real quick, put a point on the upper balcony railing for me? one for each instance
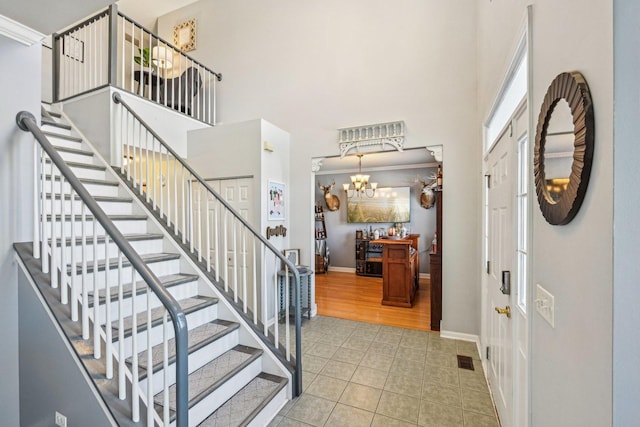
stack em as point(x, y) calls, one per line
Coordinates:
point(110, 49)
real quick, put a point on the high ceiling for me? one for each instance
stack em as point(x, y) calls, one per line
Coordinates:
point(47, 17)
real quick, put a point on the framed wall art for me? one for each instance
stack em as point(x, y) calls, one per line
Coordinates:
point(276, 200)
point(184, 35)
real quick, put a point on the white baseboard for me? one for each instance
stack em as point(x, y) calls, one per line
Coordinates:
point(342, 269)
point(464, 337)
point(353, 270)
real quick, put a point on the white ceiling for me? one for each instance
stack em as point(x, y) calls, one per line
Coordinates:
point(418, 157)
point(47, 17)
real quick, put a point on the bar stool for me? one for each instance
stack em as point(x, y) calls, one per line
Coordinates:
point(305, 279)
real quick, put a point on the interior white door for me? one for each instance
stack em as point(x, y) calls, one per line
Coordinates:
point(500, 256)
point(236, 248)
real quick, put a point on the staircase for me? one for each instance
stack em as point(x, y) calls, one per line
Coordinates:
point(234, 377)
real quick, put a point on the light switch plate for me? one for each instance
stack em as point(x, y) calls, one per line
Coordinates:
point(545, 304)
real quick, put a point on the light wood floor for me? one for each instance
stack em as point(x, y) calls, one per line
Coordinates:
point(349, 296)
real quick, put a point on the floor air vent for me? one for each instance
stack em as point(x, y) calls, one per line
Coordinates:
point(465, 362)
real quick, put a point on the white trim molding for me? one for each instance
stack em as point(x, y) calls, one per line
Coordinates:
point(342, 269)
point(379, 134)
point(19, 32)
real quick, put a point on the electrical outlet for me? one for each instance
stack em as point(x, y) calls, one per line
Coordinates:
point(61, 420)
point(545, 304)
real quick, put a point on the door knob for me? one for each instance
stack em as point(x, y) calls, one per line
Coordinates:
point(506, 310)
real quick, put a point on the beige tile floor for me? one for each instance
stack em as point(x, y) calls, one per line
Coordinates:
point(361, 374)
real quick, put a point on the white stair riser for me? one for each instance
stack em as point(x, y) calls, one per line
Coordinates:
point(194, 319)
point(55, 129)
point(93, 189)
point(110, 207)
point(89, 173)
point(179, 292)
point(218, 397)
point(270, 410)
point(77, 157)
point(197, 359)
point(126, 226)
point(142, 247)
point(162, 268)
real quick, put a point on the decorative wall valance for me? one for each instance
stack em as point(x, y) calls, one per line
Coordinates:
point(377, 137)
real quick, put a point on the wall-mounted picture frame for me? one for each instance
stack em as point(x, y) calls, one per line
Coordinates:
point(184, 35)
point(293, 255)
point(276, 200)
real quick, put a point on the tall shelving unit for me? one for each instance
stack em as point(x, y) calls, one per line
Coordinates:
point(322, 250)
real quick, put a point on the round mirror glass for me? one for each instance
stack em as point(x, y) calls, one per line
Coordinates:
point(558, 151)
point(563, 150)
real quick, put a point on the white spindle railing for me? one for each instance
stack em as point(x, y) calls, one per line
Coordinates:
point(83, 281)
point(215, 232)
point(112, 49)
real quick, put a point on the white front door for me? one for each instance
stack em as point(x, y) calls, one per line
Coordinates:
point(500, 256)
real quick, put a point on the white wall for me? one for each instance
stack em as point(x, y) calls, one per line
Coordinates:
point(314, 67)
point(626, 205)
point(571, 363)
point(20, 86)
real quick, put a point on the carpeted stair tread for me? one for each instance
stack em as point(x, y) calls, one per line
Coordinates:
point(188, 305)
point(246, 403)
point(82, 165)
point(113, 262)
point(78, 217)
point(74, 151)
point(60, 136)
point(47, 122)
point(141, 287)
point(89, 181)
point(135, 237)
point(198, 338)
point(96, 198)
point(208, 378)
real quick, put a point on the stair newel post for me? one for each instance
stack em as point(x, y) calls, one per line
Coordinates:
point(298, 309)
point(112, 53)
point(36, 200)
point(199, 213)
point(55, 67)
point(264, 289)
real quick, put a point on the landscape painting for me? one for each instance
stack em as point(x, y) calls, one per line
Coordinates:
point(389, 205)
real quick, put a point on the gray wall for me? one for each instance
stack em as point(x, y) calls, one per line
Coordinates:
point(341, 235)
point(20, 87)
point(626, 205)
point(571, 363)
point(50, 380)
point(312, 68)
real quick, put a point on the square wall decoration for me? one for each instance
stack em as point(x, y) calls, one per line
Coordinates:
point(184, 35)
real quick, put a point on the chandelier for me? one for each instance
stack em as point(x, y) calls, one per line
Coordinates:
point(360, 183)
